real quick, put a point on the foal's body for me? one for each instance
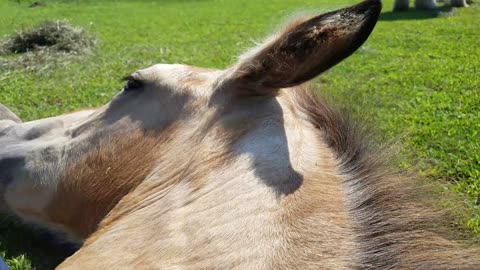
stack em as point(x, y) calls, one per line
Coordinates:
point(189, 168)
point(259, 196)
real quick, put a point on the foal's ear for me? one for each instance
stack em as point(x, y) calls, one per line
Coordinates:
point(305, 49)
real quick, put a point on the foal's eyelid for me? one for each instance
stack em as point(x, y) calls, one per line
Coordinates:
point(127, 78)
point(132, 83)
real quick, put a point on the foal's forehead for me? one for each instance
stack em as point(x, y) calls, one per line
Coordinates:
point(177, 75)
point(163, 72)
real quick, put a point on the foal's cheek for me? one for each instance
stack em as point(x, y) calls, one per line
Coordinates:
point(28, 201)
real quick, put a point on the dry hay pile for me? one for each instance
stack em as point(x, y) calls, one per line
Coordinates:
point(44, 44)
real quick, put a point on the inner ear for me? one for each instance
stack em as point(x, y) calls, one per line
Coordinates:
point(306, 48)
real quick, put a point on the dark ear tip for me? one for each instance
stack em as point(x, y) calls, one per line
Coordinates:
point(374, 2)
point(308, 48)
point(367, 6)
point(371, 10)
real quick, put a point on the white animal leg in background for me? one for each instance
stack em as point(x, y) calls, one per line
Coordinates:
point(400, 5)
point(425, 4)
point(459, 3)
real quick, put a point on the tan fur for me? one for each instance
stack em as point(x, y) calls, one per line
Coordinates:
point(317, 203)
point(349, 230)
point(190, 196)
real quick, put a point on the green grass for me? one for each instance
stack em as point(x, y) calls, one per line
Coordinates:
point(416, 78)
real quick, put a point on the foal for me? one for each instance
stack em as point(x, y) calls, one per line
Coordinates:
point(244, 168)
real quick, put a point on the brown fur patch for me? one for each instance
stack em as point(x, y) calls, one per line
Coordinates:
point(100, 179)
point(186, 158)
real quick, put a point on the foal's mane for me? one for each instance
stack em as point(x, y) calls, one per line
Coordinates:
point(394, 218)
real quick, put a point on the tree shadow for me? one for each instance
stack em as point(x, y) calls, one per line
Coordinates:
point(414, 14)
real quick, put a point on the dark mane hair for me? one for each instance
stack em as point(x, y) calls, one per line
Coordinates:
point(394, 218)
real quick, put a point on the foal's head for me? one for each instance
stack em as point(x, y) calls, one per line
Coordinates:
point(68, 172)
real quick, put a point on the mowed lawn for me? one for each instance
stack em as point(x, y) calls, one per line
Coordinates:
point(416, 80)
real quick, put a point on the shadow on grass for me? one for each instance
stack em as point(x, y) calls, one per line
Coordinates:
point(413, 14)
point(41, 248)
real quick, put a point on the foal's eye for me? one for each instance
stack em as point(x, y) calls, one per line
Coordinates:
point(132, 84)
